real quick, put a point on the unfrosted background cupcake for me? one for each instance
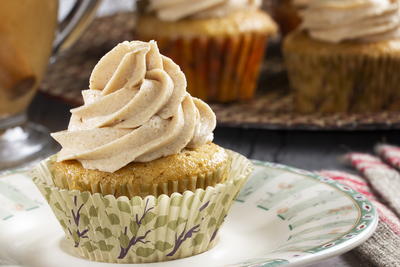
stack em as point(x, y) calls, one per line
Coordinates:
point(219, 43)
point(138, 178)
point(345, 57)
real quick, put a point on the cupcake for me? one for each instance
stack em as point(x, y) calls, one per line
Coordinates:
point(219, 44)
point(138, 178)
point(345, 56)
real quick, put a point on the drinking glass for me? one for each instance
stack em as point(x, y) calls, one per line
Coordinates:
point(29, 35)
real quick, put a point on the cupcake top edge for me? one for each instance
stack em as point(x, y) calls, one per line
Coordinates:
point(174, 10)
point(252, 21)
point(136, 110)
point(351, 20)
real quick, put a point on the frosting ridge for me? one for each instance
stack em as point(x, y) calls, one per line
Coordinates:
point(360, 20)
point(136, 110)
point(173, 10)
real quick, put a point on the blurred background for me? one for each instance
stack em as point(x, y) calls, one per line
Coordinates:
point(263, 110)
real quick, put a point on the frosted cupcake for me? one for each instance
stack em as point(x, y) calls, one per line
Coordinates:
point(138, 178)
point(344, 57)
point(219, 43)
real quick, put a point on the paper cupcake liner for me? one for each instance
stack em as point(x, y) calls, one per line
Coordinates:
point(140, 230)
point(221, 69)
point(331, 81)
point(130, 189)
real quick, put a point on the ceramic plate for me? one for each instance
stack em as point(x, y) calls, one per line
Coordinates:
point(283, 216)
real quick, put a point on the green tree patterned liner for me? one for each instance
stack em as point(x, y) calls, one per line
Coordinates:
point(76, 215)
point(139, 230)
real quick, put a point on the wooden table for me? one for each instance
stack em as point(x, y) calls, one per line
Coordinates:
point(306, 150)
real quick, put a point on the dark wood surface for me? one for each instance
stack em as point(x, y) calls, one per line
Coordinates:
point(311, 150)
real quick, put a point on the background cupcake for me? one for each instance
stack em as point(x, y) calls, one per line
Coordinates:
point(219, 44)
point(344, 58)
point(138, 178)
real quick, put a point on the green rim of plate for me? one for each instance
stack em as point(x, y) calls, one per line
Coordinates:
point(367, 216)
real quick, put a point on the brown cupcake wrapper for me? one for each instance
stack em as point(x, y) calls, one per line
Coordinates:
point(140, 230)
point(330, 82)
point(221, 69)
point(130, 189)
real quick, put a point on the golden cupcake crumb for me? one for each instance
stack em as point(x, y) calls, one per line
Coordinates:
point(141, 177)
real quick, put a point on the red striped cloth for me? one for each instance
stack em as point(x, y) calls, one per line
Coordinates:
point(391, 154)
point(384, 179)
point(360, 185)
point(380, 183)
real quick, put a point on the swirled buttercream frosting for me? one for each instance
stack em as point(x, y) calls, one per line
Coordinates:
point(360, 20)
point(173, 10)
point(136, 110)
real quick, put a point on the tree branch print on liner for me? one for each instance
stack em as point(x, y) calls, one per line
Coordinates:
point(134, 226)
point(187, 234)
point(214, 235)
point(205, 205)
point(183, 237)
point(77, 235)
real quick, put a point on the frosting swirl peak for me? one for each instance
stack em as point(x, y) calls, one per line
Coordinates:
point(173, 10)
point(136, 110)
point(362, 20)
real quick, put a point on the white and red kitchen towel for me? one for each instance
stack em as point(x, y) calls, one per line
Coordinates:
point(379, 181)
